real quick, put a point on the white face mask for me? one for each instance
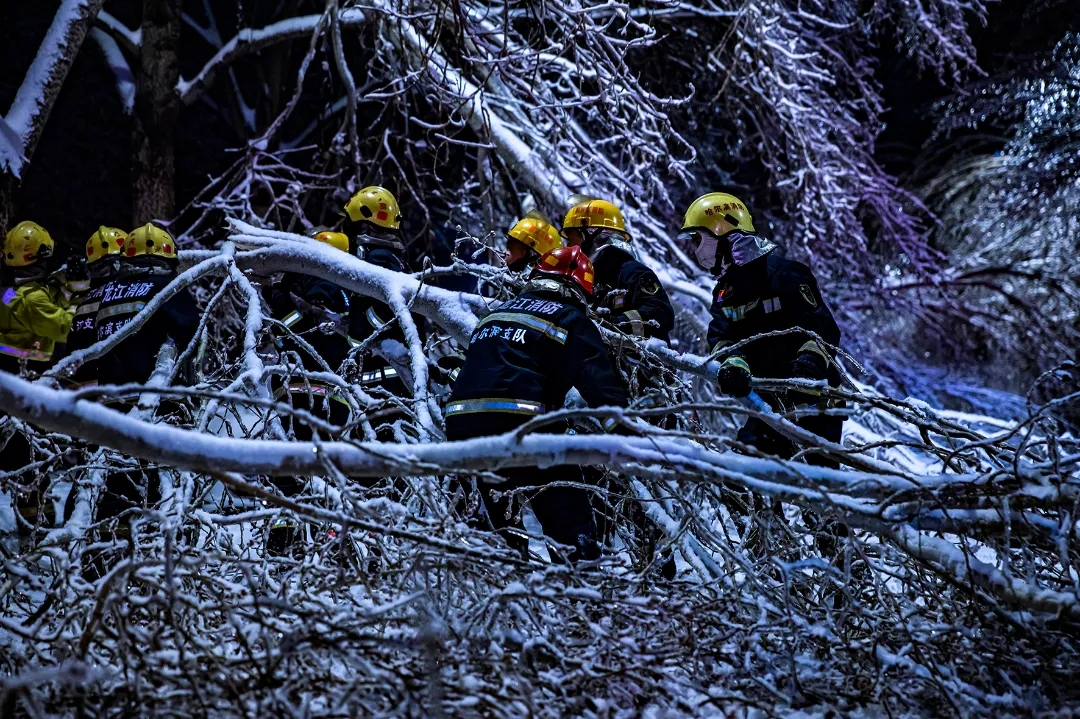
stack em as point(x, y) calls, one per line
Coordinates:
point(705, 253)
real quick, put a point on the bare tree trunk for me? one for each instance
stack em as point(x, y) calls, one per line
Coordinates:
point(8, 184)
point(157, 105)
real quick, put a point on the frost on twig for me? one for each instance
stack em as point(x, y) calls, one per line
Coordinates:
point(948, 533)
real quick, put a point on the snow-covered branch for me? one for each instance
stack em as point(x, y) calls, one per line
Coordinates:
point(249, 40)
point(29, 112)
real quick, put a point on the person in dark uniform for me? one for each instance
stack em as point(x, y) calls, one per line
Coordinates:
point(150, 263)
point(629, 291)
point(314, 312)
point(34, 316)
point(629, 296)
point(522, 361)
point(104, 255)
point(317, 312)
point(757, 292)
point(373, 225)
point(528, 240)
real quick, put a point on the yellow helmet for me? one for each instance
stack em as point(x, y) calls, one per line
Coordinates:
point(597, 214)
point(106, 241)
point(376, 205)
point(26, 243)
point(719, 213)
point(535, 233)
point(337, 240)
point(150, 240)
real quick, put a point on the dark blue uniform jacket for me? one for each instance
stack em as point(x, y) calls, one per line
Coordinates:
point(522, 361)
point(769, 294)
point(133, 359)
point(305, 322)
point(634, 296)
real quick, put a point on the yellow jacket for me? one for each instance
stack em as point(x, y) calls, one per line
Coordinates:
point(33, 318)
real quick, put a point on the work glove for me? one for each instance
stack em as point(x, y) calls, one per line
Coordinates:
point(807, 365)
point(735, 377)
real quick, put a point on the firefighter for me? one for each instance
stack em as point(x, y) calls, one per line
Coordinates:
point(317, 312)
point(314, 312)
point(149, 264)
point(626, 289)
point(34, 316)
point(632, 298)
point(529, 239)
point(104, 254)
point(758, 291)
point(521, 362)
point(373, 225)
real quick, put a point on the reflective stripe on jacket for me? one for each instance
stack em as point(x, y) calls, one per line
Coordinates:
point(33, 318)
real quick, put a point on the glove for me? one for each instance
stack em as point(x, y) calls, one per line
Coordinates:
point(807, 365)
point(735, 377)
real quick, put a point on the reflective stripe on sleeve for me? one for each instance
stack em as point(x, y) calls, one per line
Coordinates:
point(291, 319)
point(373, 318)
point(637, 324)
point(509, 406)
point(34, 355)
point(378, 375)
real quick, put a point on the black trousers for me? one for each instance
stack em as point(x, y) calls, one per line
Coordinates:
point(565, 513)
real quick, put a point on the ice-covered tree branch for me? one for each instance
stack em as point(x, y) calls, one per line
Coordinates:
point(29, 112)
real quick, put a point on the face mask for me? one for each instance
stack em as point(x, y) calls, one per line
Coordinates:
point(706, 245)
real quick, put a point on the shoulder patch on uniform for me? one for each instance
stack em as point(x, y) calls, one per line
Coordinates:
point(807, 293)
point(650, 286)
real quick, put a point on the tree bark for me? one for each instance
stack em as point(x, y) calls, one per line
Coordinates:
point(157, 106)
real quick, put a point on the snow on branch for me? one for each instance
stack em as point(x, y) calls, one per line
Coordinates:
point(25, 119)
point(125, 80)
point(131, 39)
point(249, 40)
point(913, 544)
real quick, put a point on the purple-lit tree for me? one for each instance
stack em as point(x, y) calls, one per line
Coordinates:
point(933, 570)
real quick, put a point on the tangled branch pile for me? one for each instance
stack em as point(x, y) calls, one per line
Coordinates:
point(936, 569)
